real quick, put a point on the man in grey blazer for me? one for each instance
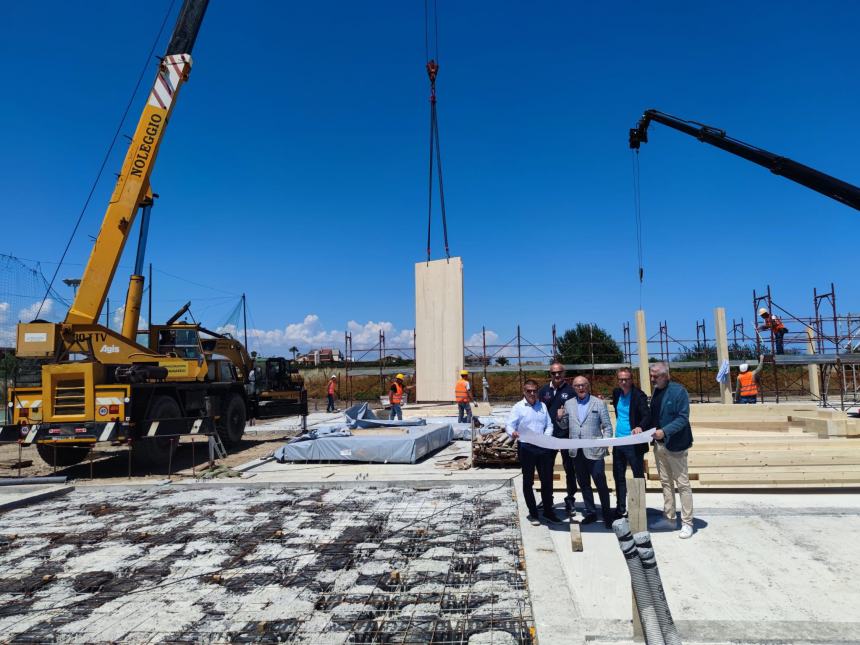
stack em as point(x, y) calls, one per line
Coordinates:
point(588, 418)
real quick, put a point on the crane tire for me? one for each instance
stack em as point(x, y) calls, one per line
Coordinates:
point(156, 451)
point(61, 456)
point(231, 425)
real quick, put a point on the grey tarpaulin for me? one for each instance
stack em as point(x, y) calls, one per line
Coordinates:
point(361, 416)
point(406, 448)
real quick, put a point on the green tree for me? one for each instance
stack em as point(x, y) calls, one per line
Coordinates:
point(742, 352)
point(697, 352)
point(294, 350)
point(501, 360)
point(580, 344)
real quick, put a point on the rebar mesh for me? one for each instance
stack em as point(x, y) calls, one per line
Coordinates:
point(266, 565)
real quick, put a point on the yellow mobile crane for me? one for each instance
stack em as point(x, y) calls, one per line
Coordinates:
point(101, 385)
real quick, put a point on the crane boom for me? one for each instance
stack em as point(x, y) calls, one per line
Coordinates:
point(818, 181)
point(132, 185)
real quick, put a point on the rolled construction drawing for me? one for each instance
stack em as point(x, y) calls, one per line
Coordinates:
point(652, 575)
point(641, 590)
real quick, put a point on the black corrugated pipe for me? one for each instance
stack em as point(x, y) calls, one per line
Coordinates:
point(641, 590)
point(652, 574)
point(28, 481)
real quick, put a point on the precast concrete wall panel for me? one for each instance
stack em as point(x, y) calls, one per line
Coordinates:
point(438, 328)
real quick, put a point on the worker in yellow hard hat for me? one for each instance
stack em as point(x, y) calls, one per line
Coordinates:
point(463, 396)
point(395, 397)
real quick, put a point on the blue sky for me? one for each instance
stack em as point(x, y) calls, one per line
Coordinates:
point(295, 166)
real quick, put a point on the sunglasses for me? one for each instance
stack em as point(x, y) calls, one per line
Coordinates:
point(557, 373)
point(530, 391)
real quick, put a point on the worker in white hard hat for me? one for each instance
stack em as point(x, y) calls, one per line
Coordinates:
point(331, 391)
point(748, 383)
point(463, 396)
point(777, 329)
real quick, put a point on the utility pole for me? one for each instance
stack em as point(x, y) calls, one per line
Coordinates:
point(245, 320)
point(150, 296)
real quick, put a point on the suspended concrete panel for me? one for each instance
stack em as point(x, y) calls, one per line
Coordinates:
point(438, 328)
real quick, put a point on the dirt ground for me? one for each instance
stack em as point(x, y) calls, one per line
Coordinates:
point(112, 464)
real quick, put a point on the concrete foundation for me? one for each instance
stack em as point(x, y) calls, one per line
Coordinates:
point(438, 328)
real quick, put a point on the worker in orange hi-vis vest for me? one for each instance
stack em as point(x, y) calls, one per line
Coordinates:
point(777, 329)
point(331, 392)
point(395, 397)
point(463, 396)
point(748, 383)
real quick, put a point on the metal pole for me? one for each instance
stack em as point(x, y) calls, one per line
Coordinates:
point(519, 357)
point(484, 350)
point(150, 296)
point(591, 347)
point(835, 323)
point(554, 343)
point(628, 348)
point(107, 313)
point(755, 324)
point(245, 320)
point(773, 346)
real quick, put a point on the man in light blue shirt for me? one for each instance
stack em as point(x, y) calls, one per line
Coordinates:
point(527, 416)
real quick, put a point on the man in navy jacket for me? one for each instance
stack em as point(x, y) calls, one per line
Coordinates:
point(670, 413)
point(554, 395)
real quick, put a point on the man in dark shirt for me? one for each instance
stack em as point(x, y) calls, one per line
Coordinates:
point(554, 395)
point(631, 417)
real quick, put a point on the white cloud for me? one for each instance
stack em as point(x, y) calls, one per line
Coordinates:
point(367, 335)
point(310, 334)
point(4, 311)
point(28, 314)
point(475, 343)
point(118, 314)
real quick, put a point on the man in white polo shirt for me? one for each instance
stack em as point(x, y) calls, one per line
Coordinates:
point(531, 415)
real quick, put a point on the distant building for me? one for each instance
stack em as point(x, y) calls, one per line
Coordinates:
point(324, 356)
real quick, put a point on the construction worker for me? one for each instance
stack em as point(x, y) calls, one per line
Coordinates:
point(777, 329)
point(395, 397)
point(332, 390)
point(463, 396)
point(748, 383)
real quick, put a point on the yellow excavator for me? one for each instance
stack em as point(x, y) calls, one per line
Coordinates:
point(100, 385)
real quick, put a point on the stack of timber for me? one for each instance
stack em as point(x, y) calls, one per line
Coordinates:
point(494, 449)
point(764, 447)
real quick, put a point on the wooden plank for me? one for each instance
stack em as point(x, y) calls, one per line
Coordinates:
point(636, 504)
point(758, 476)
point(811, 468)
point(636, 515)
point(575, 536)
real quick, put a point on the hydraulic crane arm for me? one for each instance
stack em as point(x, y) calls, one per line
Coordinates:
point(823, 183)
point(132, 185)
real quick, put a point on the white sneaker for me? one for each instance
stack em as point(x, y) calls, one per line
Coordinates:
point(686, 532)
point(664, 525)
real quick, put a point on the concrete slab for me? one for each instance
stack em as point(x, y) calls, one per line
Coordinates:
point(760, 569)
point(234, 564)
point(17, 496)
point(438, 328)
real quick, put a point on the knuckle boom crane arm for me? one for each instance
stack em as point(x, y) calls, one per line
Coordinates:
point(818, 181)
